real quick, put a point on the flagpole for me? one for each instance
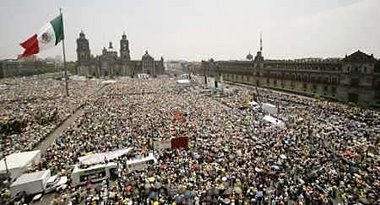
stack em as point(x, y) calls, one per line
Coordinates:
point(64, 57)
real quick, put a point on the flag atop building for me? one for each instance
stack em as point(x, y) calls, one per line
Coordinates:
point(48, 36)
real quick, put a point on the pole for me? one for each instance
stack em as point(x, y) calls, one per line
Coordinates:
point(64, 59)
point(6, 167)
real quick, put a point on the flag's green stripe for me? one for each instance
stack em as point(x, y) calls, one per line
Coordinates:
point(57, 24)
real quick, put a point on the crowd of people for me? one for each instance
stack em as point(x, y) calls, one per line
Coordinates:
point(327, 153)
point(33, 106)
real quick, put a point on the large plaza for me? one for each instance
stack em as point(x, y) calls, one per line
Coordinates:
point(323, 153)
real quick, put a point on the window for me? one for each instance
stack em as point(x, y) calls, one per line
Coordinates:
point(275, 82)
point(267, 80)
point(326, 80)
point(365, 69)
point(325, 88)
point(315, 88)
point(333, 89)
point(304, 86)
point(355, 82)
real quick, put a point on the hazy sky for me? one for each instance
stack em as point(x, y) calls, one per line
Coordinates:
point(201, 29)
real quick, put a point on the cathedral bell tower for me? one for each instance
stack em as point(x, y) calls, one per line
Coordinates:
point(83, 49)
point(124, 48)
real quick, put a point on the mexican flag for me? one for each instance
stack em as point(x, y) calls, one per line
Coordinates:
point(48, 36)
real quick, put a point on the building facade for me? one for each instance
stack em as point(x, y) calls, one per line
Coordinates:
point(20, 67)
point(109, 63)
point(355, 78)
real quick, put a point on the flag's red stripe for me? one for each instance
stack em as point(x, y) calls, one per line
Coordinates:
point(31, 46)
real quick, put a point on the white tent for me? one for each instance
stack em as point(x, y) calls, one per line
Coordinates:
point(210, 82)
point(142, 76)
point(269, 108)
point(108, 81)
point(183, 81)
point(78, 78)
point(274, 121)
point(19, 162)
point(253, 104)
point(99, 157)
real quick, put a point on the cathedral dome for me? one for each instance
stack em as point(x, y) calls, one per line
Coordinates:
point(249, 56)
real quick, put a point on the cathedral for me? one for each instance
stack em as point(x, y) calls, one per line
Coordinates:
point(110, 64)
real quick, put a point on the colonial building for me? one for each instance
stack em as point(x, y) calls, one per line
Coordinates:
point(355, 78)
point(21, 67)
point(109, 63)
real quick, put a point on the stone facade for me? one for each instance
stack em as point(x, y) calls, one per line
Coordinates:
point(110, 64)
point(355, 78)
point(18, 68)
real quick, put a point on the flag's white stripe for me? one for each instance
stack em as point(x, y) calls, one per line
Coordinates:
point(46, 37)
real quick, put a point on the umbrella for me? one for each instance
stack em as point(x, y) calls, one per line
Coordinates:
point(258, 169)
point(228, 191)
point(226, 201)
point(157, 185)
point(238, 190)
point(128, 188)
point(136, 192)
point(178, 199)
point(196, 155)
point(275, 167)
point(147, 186)
point(151, 179)
point(364, 201)
point(188, 194)
point(89, 185)
point(172, 192)
point(215, 191)
point(208, 199)
point(153, 195)
point(182, 188)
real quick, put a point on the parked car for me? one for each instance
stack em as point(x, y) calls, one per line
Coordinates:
point(55, 183)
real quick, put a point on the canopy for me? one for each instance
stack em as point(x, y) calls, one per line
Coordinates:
point(19, 162)
point(108, 81)
point(274, 121)
point(144, 159)
point(183, 81)
point(99, 157)
point(269, 108)
point(77, 77)
point(253, 103)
